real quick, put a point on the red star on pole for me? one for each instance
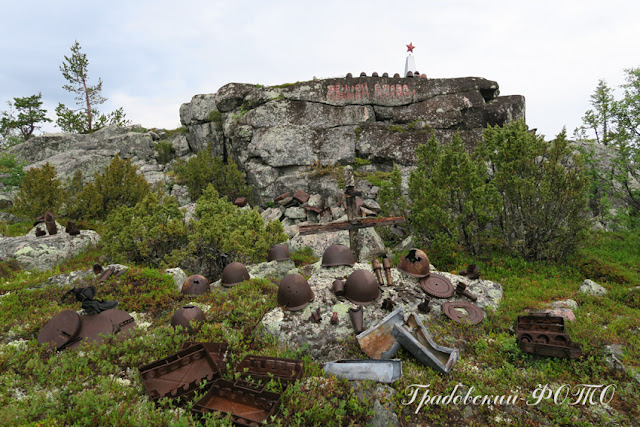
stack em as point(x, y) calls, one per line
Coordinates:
point(410, 47)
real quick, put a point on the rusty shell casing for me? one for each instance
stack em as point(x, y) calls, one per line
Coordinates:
point(386, 263)
point(377, 268)
point(338, 287)
point(355, 314)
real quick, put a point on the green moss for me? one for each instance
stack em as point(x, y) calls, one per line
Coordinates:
point(395, 128)
point(304, 256)
point(359, 162)
point(358, 132)
point(215, 116)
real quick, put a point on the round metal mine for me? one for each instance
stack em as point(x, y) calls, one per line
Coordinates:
point(61, 329)
point(463, 312)
point(92, 327)
point(121, 320)
point(437, 286)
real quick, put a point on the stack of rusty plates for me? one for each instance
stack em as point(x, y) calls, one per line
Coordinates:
point(179, 375)
point(70, 330)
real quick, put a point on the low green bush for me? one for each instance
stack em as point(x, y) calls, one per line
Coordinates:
point(11, 170)
point(165, 151)
point(118, 185)
point(40, 191)
point(205, 168)
point(146, 233)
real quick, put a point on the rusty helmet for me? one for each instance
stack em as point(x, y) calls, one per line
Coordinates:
point(415, 263)
point(336, 255)
point(234, 273)
point(278, 252)
point(294, 292)
point(184, 315)
point(361, 287)
point(195, 285)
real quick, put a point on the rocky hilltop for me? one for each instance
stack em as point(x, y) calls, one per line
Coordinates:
point(281, 135)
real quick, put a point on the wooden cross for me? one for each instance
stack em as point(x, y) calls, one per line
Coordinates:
point(354, 223)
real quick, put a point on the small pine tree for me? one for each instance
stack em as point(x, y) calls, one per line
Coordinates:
point(40, 191)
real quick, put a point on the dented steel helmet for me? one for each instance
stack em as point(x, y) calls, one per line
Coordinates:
point(415, 263)
point(184, 315)
point(195, 285)
point(234, 273)
point(336, 255)
point(361, 287)
point(294, 293)
point(278, 252)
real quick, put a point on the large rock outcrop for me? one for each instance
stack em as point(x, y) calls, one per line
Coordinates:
point(285, 137)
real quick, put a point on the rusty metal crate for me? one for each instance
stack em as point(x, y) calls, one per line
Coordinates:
point(263, 368)
point(571, 351)
point(247, 404)
point(179, 375)
point(545, 335)
point(217, 351)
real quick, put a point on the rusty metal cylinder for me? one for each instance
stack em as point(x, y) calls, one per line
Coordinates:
point(355, 314)
point(386, 263)
point(334, 318)
point(461, 289)
point(338, 287)
point(377, 269)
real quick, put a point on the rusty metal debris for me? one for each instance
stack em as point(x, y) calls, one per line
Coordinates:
point(423, 307)
point(247, 404)
point(336, 255)
point(334, 318)
point(385, 74)
point(184, 316)
point(195, 285)
point(349, 75)
point(40, 232)
point(415, 263)
point(378, 342)
point(71, 228)
point(106, 274)
point(361, 288)
point(217, 351)
point(97, 268)
point(415, 337)
point(301, 196)
point(463, 312)
point(95, 327)
point(545, 335)
point(338, 287)
point(437, 285)
point(472, 272)
point(386, 263)
point(294, 292)
point(409, 74)
point(50, 223)
point(233, 274)
point(240, 202)
point(264, 368)
point(355, 314)
point(461, 289)
point(387, 304)
point(363, 74)
point(179, 375)
point(278, 252)
point(374, 74)
point(60, 330)
point(384, 371)
point(377, 269)
point(396, 76)
point(315, 316)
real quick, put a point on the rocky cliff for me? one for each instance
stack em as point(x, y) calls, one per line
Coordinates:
point(282, 136)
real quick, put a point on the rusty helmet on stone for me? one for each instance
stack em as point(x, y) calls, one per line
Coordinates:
point(294, 292)
point(415, 263)
point(361, 287)
point(234, 273)
point(336, 255)
point(195, 285)
point(184, 315)
point(278, 252)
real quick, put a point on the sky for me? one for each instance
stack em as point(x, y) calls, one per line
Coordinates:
point(153, 56)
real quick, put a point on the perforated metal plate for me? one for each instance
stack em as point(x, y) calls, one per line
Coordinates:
point(60, 330)
point(456, 311)
point(437, 286)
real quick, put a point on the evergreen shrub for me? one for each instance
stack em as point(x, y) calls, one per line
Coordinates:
point(40, 191)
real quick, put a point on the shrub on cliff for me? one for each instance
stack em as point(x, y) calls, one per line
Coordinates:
point(146, 233)
point(205, 168)
point(40, 191)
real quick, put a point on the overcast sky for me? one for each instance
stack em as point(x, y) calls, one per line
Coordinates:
point(155, 55)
